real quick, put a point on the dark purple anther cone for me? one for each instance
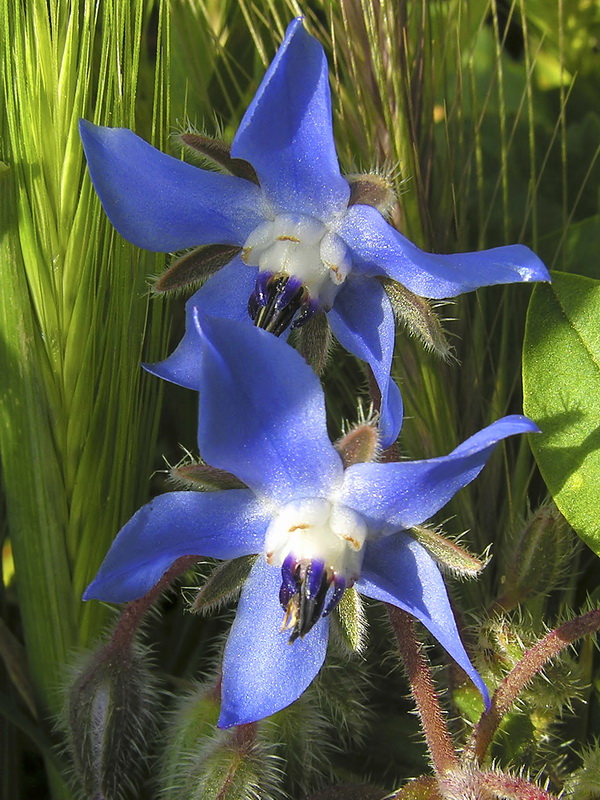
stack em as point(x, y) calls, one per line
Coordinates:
point(289, 585)
point(314, 578)
point(261, 290)
point(287, 293)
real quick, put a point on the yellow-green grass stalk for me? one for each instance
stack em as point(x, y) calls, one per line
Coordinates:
point(78, 417)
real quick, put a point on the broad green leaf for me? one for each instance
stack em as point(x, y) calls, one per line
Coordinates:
point(561, 383)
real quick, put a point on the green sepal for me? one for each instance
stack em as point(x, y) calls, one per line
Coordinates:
point(353, 621)
point(204, 477)
point(314, 341)
point(370, 189)
point(217, 153)
point(360, 444)
point(223, 585)
point(417, 316)
point(195, 266)
point(449, 555)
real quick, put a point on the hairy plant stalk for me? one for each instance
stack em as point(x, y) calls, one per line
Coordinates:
point(528, 667)
point(423, 691)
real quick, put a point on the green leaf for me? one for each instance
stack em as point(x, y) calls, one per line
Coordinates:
point(561, 384)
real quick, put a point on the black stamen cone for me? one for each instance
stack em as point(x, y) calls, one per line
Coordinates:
point(305, 606)
point(284, 297)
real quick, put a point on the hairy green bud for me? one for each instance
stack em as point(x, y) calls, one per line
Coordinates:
point(540, 554)
point(202, 762)
point(109, 717)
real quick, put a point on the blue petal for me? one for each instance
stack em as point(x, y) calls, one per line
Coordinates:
point(262, 414)
point(363, 321)
point(226, 295)
point(262, 671)
point(160, 203)
point(224, 524)
point(400, 571)
point(395, 496)
point(286, 133)
point(378, 249)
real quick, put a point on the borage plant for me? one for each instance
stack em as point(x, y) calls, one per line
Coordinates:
point(292, 238)
point(318, 529)
point(283, 240)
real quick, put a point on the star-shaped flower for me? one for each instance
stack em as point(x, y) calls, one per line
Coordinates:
point(317, 528)
point(304, 246)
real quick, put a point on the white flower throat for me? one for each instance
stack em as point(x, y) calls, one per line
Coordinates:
point(319, 545)
point(302, 264)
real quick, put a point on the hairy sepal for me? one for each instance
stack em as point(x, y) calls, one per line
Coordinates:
point(223, 585)
point(217, 153)
point(194, 267)
point(418, 317)
point(449, 555)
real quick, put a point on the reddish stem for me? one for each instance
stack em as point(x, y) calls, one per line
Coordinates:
point(132, 614)
point(527, 668)
point(423, 691)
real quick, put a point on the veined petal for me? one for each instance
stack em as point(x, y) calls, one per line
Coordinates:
point(287, 135)
point(224, 525)
point(362, 320)
point(395, 496)
point(379, 249)
point(160, 203)
point(262, 671)
point(262, 413)
point(224, 294)
point(398, 570)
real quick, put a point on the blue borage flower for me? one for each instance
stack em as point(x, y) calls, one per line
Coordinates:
point(318, 529)
point(304, 248)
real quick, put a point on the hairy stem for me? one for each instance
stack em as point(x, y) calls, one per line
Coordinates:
point(527, 668)
point(133, 613)
point(423, 691)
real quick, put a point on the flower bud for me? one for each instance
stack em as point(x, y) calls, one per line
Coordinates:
point(109, 717)
point(202, 762)
point(539, 557)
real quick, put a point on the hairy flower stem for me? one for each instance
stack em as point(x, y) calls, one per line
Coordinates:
point(133, 613)
point(528, 667)
point(423, 691)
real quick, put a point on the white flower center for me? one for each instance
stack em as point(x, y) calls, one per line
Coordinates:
point(318, 530)
point(303, 248)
